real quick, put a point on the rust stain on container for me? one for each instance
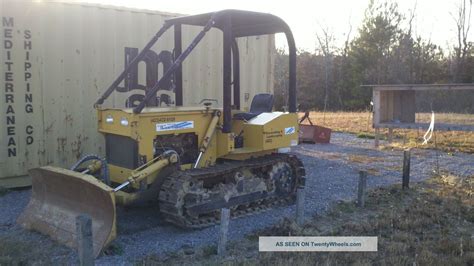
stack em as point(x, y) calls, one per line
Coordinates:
point(61, 145)
point(76, 147)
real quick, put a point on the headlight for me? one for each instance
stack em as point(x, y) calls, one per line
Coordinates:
point(109, 119)
point(124, 121)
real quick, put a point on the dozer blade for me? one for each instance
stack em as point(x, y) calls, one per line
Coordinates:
point(59, 196)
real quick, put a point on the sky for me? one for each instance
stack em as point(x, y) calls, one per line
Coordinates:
point(433, 20)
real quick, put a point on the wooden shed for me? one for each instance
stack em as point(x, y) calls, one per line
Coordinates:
point(395, 106)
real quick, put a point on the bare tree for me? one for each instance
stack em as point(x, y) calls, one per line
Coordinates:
point(410, 20)
point(463, 25)
point(326, 46)
point(343, 68)
point(347, 42)
point(408, 44)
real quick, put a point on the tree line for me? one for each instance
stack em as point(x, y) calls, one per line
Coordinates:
point(384, 51)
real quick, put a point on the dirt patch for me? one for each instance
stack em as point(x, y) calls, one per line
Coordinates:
point(356, 158)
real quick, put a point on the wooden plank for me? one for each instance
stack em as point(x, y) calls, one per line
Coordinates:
point(390, 106)
point(438, 126)
point(418, 87)
point(376, 101)
point(387, 106)
point(408, 106)
point(398, 105)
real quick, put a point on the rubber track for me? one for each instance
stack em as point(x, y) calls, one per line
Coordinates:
point(172, 210)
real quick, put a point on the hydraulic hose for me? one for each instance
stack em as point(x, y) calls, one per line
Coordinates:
point(104, 171)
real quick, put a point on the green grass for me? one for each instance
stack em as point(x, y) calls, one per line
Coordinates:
point(364, 135)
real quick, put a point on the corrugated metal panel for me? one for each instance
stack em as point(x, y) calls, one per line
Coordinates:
point(64, 55)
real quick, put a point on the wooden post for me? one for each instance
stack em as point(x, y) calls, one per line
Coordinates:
point(362, 188)
point(406, 169)
point(84, 240)
point(225, 217)
point(376, 95)
point(390, 135)
point(377, 137)
point(300, 206)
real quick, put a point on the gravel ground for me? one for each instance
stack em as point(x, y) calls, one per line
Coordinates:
point(331, 172)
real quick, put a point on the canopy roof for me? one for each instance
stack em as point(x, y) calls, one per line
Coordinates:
point(233, 24)
point(243, 23)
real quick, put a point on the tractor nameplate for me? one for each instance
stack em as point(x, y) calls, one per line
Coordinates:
point(175, 126)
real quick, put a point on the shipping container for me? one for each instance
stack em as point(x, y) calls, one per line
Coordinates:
point(57, 58)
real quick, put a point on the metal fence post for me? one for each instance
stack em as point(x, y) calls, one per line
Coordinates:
point(361, 188)
point(406, 169)
point(225, 217)
point(300, 206)
point(84, 240)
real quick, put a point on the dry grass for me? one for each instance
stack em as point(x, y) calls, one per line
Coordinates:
point(430, 224)
point(356, 158)
point(360, 123)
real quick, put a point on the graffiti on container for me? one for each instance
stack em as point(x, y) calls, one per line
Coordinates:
point(152, 61)
point(12, 82)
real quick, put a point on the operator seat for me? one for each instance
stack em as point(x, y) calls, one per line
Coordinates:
point(261, 103)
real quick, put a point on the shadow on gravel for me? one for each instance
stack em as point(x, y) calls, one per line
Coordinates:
point(138, 218)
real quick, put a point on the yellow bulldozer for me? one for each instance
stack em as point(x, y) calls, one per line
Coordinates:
point(191, 161)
